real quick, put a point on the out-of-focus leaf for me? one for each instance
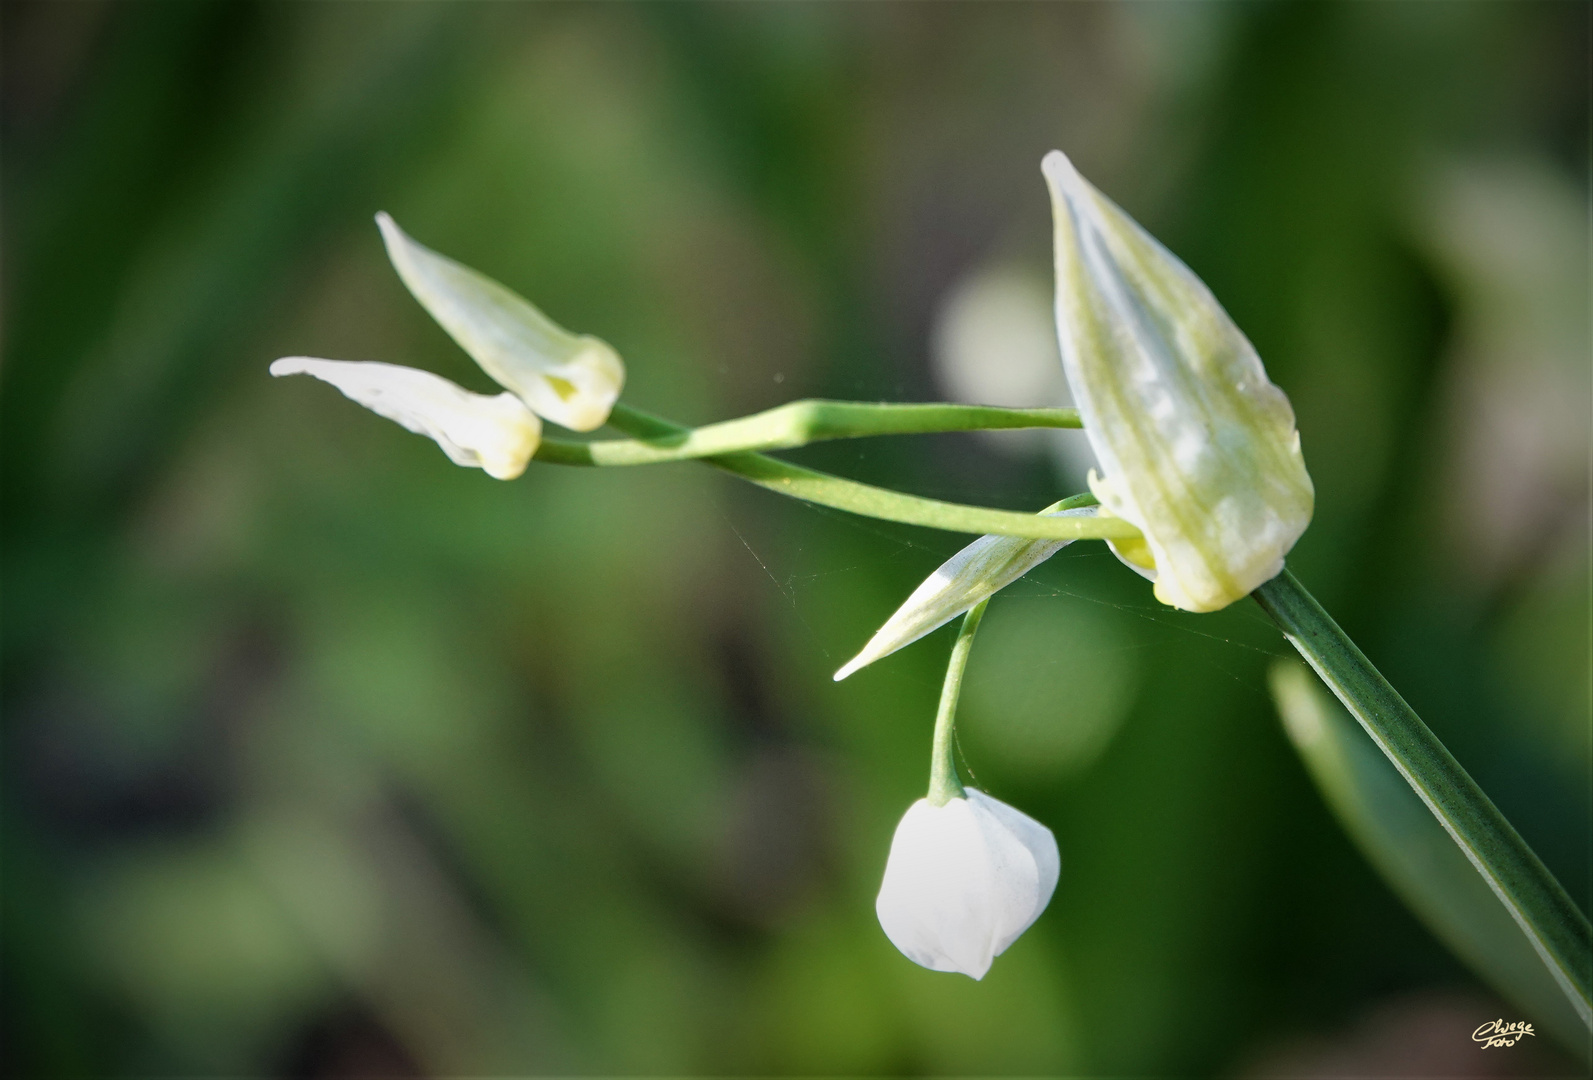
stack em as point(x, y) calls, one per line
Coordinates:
point(1411, 851)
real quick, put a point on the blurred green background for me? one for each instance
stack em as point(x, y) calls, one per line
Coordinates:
point(325, 757)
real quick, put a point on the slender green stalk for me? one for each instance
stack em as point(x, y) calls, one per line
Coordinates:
point(943, 783)
point(826, 490)
point(799, 423)
point(1557, 929)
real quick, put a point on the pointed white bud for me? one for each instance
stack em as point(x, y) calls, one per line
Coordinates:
point(964, 880)
point(1198, 448)
point(495, 433)
point(571, 379)
point(984, 567)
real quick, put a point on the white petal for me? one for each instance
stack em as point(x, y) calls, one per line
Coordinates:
point(495, 433)
point(984, 567)
point(963, 881)
point(1199, 448)
point(571, 379)
point(1040, 845)
point(934, 901)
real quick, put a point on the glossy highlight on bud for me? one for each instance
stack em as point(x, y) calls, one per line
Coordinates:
point(1197, 448)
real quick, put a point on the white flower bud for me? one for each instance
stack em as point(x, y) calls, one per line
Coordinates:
point(498, 434)
point(1198, 448)
point(964, 880)
point(981, 569)
point(571, 379)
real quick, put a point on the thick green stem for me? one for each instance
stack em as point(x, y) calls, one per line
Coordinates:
point(799, 423)
point(826, 490)
point(943, 783)
point(1557, 929)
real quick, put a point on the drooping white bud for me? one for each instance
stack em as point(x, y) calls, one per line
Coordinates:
point(571, 379)
point(1198, 448)
point(964, 880)
point(981, 569)
point(495, 433)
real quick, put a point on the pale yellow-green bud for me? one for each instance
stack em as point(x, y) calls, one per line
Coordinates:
point(495, 433)
point(1198, 449)
point(571, 379)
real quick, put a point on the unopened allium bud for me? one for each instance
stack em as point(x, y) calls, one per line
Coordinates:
point(495, 433)
point(571, 379)
point(964, 880)
point(1198, 449)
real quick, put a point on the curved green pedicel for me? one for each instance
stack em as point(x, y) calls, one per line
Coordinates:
point(813, 486)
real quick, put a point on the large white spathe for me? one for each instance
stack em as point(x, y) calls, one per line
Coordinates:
point(495, 433)
point(1198, 448)
point(964, 880)
point(571, 379)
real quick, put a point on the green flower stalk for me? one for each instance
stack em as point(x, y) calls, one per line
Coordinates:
point(1198, 448)
point(967, 874)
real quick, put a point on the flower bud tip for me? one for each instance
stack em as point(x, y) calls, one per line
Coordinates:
point(495, 434)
